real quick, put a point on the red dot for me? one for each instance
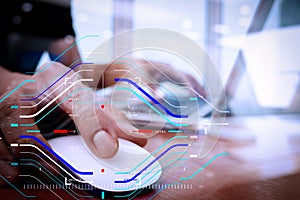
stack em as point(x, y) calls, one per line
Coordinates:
point(102, 106)
point(102, 170)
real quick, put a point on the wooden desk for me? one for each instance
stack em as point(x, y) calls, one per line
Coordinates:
point(267, 167)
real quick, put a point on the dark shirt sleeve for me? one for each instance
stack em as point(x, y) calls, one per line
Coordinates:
point(36, 18)
point(27, 28)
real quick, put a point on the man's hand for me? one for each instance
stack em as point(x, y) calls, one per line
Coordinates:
point(98, 128)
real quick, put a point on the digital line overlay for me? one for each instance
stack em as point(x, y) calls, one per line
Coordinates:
point(150, 97)
point(15, 89)
point(9, 183)
point(145, 168)
point(159, 148)
point(71, 69)
point(204, 166)
point(153, 108)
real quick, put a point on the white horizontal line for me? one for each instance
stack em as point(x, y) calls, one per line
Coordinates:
point(14, 144)
point(121, 70)
point(193, 137)
point(73, 115)
point(193, 156)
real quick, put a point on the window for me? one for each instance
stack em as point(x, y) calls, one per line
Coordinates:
point(254, 40)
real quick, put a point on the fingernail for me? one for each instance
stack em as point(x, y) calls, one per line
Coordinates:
point(105, 144)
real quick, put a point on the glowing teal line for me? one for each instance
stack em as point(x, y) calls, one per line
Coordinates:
point(14, 163)
point(24, 195)
point(65, 51)
point(20, 85)
point(14, 125)
point(33, 131)
point(174, 131)
point(152, 154)
point(153, 108)
point(193, 99)
point(55, 107)
point(205, 165)
point(163, 161)
point(102, 195)
point(168, 164)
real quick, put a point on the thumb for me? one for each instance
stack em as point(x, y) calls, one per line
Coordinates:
point(106, 146)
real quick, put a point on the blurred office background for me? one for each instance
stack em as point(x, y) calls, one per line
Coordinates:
point(253, 43)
